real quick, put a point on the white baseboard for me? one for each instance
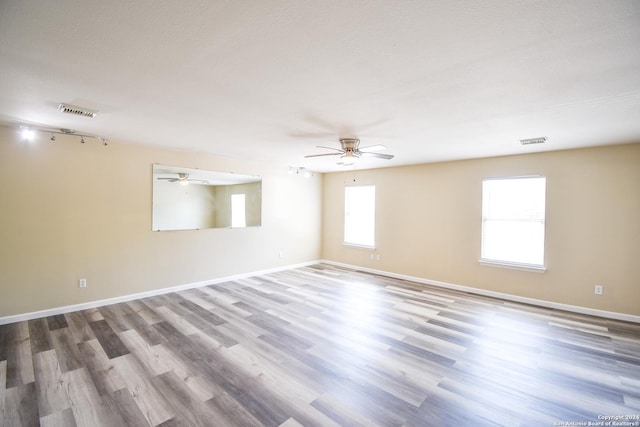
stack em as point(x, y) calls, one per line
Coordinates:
point(99, 303)
point(509, 297)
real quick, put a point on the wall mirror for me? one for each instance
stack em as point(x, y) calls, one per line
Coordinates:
point(194, 199)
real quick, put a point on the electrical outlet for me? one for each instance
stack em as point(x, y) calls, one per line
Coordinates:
point(82, 283)
point(599, 289)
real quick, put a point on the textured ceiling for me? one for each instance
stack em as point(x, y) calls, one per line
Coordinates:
point(270, 80)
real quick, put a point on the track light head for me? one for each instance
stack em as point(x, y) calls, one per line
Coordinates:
point(27, 134)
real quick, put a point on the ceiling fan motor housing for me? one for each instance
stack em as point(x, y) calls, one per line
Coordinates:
point(350, 145)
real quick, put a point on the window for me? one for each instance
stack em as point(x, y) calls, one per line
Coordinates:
point(359, 215)
point(238, 215)
point(513, 221)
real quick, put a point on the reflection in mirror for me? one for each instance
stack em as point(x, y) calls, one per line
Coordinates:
point(193, 199)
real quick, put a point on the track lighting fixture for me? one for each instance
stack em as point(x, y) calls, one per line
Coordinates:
point(29, 133)
point(298, 170)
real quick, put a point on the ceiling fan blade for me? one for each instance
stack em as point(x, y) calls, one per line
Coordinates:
point(378, 155)
point(371, 148)
point(330, 148)
point(326, 154)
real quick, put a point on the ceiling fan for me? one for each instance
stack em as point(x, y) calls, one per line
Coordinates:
point(351, 150)
point(183, 178)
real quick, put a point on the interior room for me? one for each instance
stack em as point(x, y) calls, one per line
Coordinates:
point(284, 213)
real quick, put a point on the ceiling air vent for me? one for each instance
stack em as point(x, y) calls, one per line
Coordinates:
point(78, 111)
point(530, 141)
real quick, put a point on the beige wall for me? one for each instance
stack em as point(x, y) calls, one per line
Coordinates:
point(71, 210)
point(428, 225)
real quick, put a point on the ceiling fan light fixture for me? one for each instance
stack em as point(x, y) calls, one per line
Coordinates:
point(348, 159)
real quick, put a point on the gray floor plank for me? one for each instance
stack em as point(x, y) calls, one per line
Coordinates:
point(63, 418)
point(3, 387)
point(52, 396)
point(101, 369)
point(20, 406)
point(39, 336)
point(66, 349)
point(16, 350)
point(88, 407)
point(109, 340)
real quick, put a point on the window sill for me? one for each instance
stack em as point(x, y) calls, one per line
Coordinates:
point(355, 245)
point(513, 265)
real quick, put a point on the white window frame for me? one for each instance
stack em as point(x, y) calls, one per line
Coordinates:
point(357, 215)
point(515, 216)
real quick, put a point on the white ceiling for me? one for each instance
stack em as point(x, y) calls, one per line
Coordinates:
point(269, 80)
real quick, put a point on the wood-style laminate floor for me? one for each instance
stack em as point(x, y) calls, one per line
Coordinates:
point(318, 346)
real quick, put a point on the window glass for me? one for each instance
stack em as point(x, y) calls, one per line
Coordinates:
point(359, 215)
point(513, 220)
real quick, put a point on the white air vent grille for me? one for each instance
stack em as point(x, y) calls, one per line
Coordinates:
point(78, 111)
point(530, 141)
